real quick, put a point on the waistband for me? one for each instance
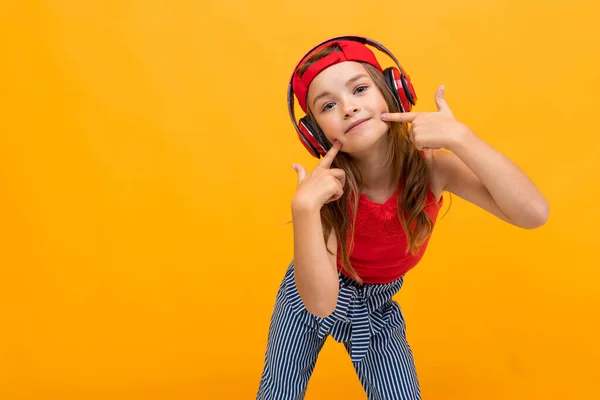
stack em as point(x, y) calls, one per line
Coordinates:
point(358, 315)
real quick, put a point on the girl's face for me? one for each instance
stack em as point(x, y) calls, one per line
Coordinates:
point(347, 105)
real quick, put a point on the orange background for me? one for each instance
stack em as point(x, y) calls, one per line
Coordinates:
point(145, 179)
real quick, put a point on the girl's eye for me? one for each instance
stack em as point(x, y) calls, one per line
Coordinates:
point(325, 106)
point(359, 89)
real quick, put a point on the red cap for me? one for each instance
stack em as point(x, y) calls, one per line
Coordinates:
point(351, 51)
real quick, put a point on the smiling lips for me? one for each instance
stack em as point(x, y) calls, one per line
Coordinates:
point(357, 123)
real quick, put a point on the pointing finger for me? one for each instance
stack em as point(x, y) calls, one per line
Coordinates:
point(328, 158)
point(399, 117)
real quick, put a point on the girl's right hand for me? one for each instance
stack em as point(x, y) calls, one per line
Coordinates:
point(323, 185)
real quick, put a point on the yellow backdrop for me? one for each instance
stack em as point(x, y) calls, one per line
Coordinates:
point(145, 179)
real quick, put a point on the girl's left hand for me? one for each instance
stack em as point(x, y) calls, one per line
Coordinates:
point(432, 130)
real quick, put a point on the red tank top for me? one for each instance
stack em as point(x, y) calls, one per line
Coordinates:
point(379, 254)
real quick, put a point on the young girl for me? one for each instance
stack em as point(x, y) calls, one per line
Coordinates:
point(363, 217)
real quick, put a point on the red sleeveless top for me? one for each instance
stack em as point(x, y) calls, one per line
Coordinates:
point(380, 244)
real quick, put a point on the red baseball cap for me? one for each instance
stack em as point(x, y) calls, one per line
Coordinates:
point(351, 51)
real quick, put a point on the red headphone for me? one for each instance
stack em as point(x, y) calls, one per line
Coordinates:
point(353, 49)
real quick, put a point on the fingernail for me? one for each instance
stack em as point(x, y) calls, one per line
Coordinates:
point(384, 116)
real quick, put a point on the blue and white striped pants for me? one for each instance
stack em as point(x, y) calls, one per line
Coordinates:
point(366, 320)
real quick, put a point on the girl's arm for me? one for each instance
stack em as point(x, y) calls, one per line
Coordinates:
point(477, 172)
point(315, 270)
point(473, 169)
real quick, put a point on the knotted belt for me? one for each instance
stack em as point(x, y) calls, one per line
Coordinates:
point(360, 312)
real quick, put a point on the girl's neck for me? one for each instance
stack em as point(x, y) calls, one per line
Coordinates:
point(377, 174)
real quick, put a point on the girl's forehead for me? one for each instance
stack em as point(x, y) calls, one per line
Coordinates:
point(337, 75)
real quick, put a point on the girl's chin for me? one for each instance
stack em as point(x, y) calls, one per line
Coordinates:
point(362, 143)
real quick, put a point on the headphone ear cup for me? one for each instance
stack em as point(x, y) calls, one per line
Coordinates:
point(311, 135)
point(409, 90)
point(394, 81)
point(307, 145)
point(388, 75)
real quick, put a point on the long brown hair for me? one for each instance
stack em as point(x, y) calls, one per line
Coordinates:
point(409, 171)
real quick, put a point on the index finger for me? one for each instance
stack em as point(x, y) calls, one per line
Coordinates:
point(399, 117)
point(328, 158)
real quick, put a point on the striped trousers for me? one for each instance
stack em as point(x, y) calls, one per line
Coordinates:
point(366, 320)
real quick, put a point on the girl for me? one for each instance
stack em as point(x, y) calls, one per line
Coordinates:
point(363, 217)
